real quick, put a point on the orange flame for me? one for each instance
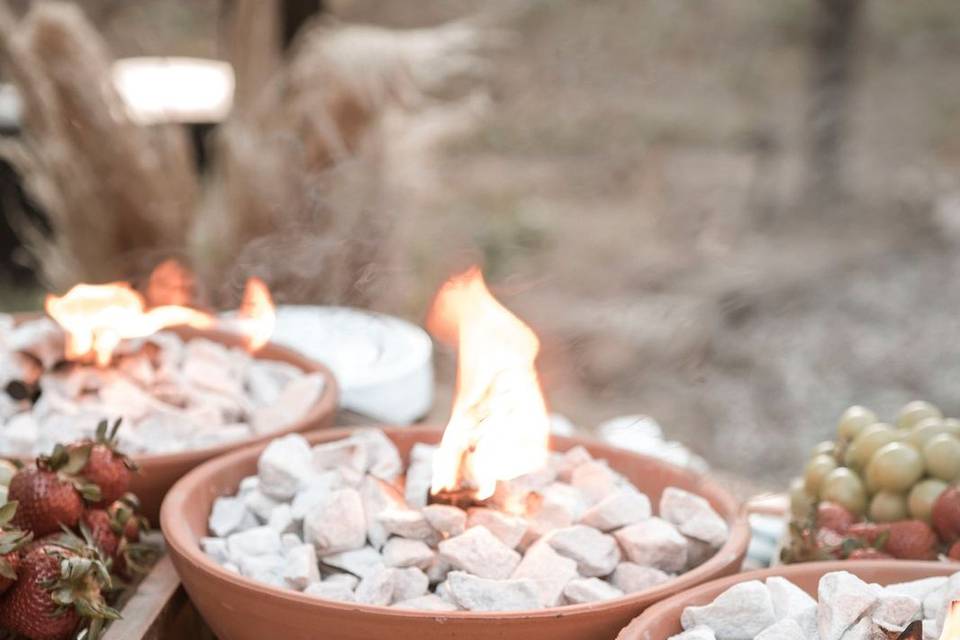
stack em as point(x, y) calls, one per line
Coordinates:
point(171, 283)
point(951, 624)
point(499, 428)
point(97, 317)
point(257, 314)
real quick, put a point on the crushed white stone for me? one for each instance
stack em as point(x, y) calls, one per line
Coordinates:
point(337, 524)
point(402, 552)
point(595, 553)
point(786, 629)
point(481, 594)
point(331, 591)
point(693, 516)
point(549, 570)
point(445, 519)
point(619, 509)
point(630, 577)
point(509, 529)
point(740, 612)
point(843, 599)
point(406, 523)
point(481, 553)
point(230, 515)
point(300, 568)
point(359, 562)
point(583, 590)
point(654, 542)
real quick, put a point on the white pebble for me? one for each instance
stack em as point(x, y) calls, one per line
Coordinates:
point(595, 553)
point(336, 525)
point(654, 543)
point(481, 553)
point(583, 590)
point(401, 552)
point(481, 594)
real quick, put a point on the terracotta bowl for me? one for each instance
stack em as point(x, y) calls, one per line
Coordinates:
point(662, 620)
point(237, 608)
point(158, 472)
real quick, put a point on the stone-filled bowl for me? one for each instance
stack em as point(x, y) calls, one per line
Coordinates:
point(158, 472)
point(662, 620)
point(238, 608)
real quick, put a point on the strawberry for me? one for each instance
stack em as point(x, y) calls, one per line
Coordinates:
point(868, 553)
point(954, 553)
point(59, 591)
point(831, 515)
point(132, 557)
point(946, 515)
point(106, 467)
point(100, 531)
point(11, 541)
point(904, 539)
point(49, 492)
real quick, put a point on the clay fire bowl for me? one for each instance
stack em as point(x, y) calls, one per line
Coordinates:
point(662, 620)
point(237, 608)
point(158, 472)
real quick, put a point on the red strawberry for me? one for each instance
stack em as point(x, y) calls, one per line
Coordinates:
point(58, 592)
point(946, 515)
point(831, 515)
point(49, 493)
point(101, 532)
point(954, 553)
point(11, 542)
point(132, 557)
point(905, 539)
point(106, 467)
point(868, 553)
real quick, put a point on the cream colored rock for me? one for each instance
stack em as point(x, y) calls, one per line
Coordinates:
point(481, 553)
point(654, 542)
point(481, 594)
point(583, 590)
point(549, 570)
point(336, 525)
point(595, 553)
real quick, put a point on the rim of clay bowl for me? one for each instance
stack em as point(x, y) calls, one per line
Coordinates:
point(180, 538)
point(325, 405)
point(708, 591)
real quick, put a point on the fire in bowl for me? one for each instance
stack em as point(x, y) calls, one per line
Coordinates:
point(847, 607)
point(185, 388)
point(241, 608)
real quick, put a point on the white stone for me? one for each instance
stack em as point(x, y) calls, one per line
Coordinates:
point(893, 611)
point(570, 460)
point(230, 515)
point(418, 479)
point(622, 508)
point(283, 466)
point(508, 528)
point(698, 552)
point(931, 631)
point(376, 588)
point(697, 633)
point(583, 590)
point(216, 548)
point(290, 540)
point(406, 523)
point(359, 562)
point(595, 481)
point(346, 579)
point(260, 504)
point(654, 543)
point(788, 599)
point(786, 629)
point(429, 602)
point(230, 566)
point(259, 541)
point(739, 613)
point(402, 552)
point(378, 496)
point(248, 484)
point(864, 629)
point(296, 399)
point(481, 553)
point(330, 591)
point(336, 525)
point(263, 568)
point(282, 520)
point(438, 570)
point(445, 519)
point(630, 577)
point(383, 458)
point(409, 583)
point(595, 553)
point(315, 490)
point(843, 598)
point(549, 570)
point(918, 589)
point(300, 567)
point(481, 594)
point(340, 454)
point(693, 516)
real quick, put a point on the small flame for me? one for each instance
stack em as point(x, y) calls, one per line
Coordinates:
point(97, 317)
point(951, 624)
point(257, 314)
point(171, 283)
point(499, 428)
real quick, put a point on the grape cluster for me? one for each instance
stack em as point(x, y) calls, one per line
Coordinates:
point(884, 472)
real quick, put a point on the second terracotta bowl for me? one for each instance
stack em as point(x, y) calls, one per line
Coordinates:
point(237, 608)
point(662, 620)
point(158, 472)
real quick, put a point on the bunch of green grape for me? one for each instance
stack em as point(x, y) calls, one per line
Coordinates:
point(881, 471)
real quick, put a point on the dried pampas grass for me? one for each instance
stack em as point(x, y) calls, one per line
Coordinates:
point(115, 194)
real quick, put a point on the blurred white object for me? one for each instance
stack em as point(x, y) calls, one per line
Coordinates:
point(766, 532)
point(642, 434)
point(383, 364)
point(160, 90)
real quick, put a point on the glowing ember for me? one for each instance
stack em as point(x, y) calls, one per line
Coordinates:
point(499, 428)
point(951, 625)
point(257, 314)
point(96, 318)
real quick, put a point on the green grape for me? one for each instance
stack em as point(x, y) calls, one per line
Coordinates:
point(927, 428)
point(7, 471)
point(922, 497)
point(887, 506)
point(801, 502)
point(913, 412)
point(816, 470)
point(870, 439)
point(845, 488)
point(942, 453)
point(894, 467)
point(827, 447)
point(854, 420)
